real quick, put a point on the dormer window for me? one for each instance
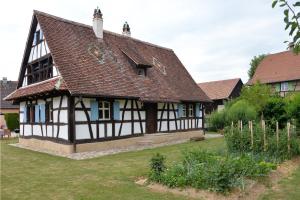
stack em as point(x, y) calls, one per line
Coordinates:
point(141, 72)
point(136, 60)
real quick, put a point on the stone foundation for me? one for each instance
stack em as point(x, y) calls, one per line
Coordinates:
point(37, 144)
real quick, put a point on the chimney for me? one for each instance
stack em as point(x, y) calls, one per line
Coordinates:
point(4, 80)
point(126, 29)
point(98, 23)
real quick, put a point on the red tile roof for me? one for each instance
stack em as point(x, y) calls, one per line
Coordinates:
point(219, 89)
point(283, 66)
point(38, 88)
point(111, 73)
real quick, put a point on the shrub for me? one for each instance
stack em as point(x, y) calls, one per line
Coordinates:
point(216, 120)
point(157, 165)
point(293, 109)
point(274, 110)
point(257, 95)
point(240, 142)
point(12, 121)
point(201, 169)
point(241, 110)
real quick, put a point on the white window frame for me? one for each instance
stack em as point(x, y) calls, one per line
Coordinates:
point(284, 86)
point(102, 109)
point(184, 110)
point(191, 110)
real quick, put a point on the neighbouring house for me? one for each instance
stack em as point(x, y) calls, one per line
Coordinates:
point(79, 84)
point(220, 92)
point(7, 87)
point(281, 71)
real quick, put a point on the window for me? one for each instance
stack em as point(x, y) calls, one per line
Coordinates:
point(37, 38)
point(104, 110)
point(142, 72)
point(191, 110)
point(284, 86)
point(28, 119)
point(48, 112)
point(183, 110)
point(32, 113)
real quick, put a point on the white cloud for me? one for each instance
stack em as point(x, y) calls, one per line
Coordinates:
point(214, 39)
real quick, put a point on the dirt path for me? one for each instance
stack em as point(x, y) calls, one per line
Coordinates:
point(253, 191)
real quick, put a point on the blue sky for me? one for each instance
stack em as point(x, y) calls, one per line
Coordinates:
point(214, 39)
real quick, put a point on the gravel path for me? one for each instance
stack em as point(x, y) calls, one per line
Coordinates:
point(145, 142)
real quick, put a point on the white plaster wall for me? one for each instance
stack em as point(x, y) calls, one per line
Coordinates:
point(82, 132)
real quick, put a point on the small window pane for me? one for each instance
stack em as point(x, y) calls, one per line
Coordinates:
point(106, 104)
point(100, 114)
point(106, 112)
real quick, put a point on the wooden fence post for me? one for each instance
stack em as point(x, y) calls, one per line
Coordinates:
point(231, 127)
point(241, 126)
point(251, 133)
point(288, 137)
point(263, 124)
point(277, 134)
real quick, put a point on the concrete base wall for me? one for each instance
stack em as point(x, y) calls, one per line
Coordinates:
point(37, 144)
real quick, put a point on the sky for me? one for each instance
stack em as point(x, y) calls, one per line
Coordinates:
point(214, 39)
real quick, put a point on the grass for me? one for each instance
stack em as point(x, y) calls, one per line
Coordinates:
point(31, 175)
point(288, 189)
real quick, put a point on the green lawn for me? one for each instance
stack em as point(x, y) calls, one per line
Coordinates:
point(30, 175)
point(289, 188)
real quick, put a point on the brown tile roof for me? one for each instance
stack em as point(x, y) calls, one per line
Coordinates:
point(6, 89)
point(283, 66)
point(111, 74)
point(219, 89)
point(38, 88)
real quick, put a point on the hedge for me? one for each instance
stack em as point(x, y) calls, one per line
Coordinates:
point(12, 120)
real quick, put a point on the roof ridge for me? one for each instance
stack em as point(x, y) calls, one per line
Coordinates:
point(106, 31)
point(220, 80)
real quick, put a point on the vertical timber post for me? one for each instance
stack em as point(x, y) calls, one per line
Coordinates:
point(251, 134)
point(277, 134)
point(263, 123)
point(288, 137)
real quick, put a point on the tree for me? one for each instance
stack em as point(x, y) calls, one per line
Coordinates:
point(291, 19)
point(254, 63)
point(257, 95)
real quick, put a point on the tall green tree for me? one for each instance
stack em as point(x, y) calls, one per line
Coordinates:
point(291, 19)
point(257, 95)
point(256, 60)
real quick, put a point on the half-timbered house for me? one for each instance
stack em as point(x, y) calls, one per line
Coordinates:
point(80, 84)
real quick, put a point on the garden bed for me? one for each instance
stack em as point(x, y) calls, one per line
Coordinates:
point(253, 189)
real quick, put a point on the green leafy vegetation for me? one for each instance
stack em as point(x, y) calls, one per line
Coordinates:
point(255, 103)
point(291, 19)
point(31, 175)
point(205, 170)
point(256, 60)
point(12, 120)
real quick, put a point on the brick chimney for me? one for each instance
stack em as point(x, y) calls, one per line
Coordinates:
point(126, 29)
point(98, 23)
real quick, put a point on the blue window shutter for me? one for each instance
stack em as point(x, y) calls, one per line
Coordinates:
point(43, 115)
point(37, 113)
point(197, 109)
point(94, 110)
point(25, 114)
point(116, 110)
point(179, 110)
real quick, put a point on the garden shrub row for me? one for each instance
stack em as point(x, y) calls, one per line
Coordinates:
point(204, 170)
point(238, 141)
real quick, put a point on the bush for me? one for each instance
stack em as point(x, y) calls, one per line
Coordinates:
point(240, 142)
point(293, 109)
point(274, 111)
point(12, 121)
point(201, 169)
point(241, 110)
point(157, 165)
point(216, 120)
